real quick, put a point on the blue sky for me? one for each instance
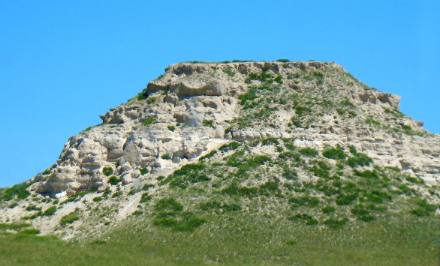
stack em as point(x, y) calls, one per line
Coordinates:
point(63, 63)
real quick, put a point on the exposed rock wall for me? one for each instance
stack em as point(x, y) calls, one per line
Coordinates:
point(194, 108)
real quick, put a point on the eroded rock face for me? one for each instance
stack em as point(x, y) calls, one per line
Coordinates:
point(193, 108)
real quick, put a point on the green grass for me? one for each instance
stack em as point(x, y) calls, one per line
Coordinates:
point(18, 191)
point(114, 180)
point(107, 171)
point(309, 152)
point(50, 211)
point(69, 218)
point(336, 153)
point(239, 240)
point(149, 121)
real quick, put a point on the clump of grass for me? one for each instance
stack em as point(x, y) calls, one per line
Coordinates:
point(149, 121)
point(97, 199)
point(171, 128)
point(236, 190)
point(321, 169)
point(50, 211)
point(335, 223)
point(145, 198)
point(169, 213)
point(328, 209)
point(33, 208)
point(143, 171)
point(308, 151)
point(233, 145)
point(187, 175)
point(346, 198)
point(151, 100)
point(219, 207)
point(229, 71)
point(290, 174)
point(208, 123)
point(265, 77)
point(362, 214)
point(414, 180)
point(69, 218)
point(18, 191)
point(424, 208)
point(114, 180)
point(306, 218)
point(107, 171)
point(304, 201)
point(142, 95)
point(336, 153)
point(359, 159)
point(166, 156)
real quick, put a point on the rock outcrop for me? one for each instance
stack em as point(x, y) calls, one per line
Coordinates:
point(194, 108)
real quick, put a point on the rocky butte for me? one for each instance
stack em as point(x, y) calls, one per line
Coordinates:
point(275, 137)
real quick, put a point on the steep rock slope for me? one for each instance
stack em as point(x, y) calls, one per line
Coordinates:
point(246, 136)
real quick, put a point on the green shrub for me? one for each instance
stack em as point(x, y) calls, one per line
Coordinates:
point(269, 188)
point(171, 128)
point(290, 155)
point(97, 199)
point(149, 121)
point(168, 205)
point(368, 174)
point(208, 123)
point(414, 180)
point(424, 208)
point(270, 141)
point(248, 97)
point(359, 159)
point(334, 153)
point(18, 191)
point(235, 190)
point(306, 201)
point(362, 214)
point(229, 71)
point(166, 156)
point(114, 180)
point(143, 171)
point(233, 145)
point(188, 222)
point(290, 174)
point(33, 208)
point(145, 198)
point(142, 95)
point(328, 209)
point(282, 60)
point(169, 213)
point(321, 169)
point(69, 218)
point(187, 175)
point(308, 151)
point(307, 219)
point(50, 211)
point(335, 223)
point(107, 171)
point(28, 232)
point(151, 100)
point(376, 196)
point(346, 199)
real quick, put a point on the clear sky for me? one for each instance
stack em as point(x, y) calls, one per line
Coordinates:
point(63, 63)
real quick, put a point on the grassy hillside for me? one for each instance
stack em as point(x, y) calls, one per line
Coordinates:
point(237, 240)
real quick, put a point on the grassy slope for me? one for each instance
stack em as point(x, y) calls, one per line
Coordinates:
point(239, 240)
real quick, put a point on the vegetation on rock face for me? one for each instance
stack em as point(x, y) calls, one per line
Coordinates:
point(278, 192)
point(18, 192)
point(69, 218)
